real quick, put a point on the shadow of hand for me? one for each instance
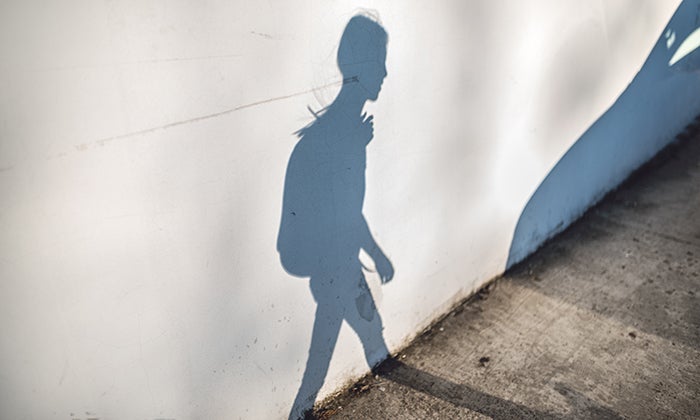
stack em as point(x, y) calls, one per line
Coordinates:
point(384, 268)
point(366, 129)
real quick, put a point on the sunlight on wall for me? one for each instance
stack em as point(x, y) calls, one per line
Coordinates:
point(690, 44)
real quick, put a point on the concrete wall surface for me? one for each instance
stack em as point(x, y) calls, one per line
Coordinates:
point(144, 153)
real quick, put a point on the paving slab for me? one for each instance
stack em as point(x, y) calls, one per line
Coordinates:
point(602, 322)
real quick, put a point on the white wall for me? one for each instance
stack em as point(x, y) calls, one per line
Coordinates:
point(661, 99)
point(139, 275)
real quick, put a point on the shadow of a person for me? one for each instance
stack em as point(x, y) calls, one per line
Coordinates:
point(322, 229)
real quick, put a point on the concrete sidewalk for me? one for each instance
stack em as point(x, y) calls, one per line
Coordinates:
point(602, 322)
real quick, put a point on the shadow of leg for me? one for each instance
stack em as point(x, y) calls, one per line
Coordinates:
point(459, 395)
point(580, 406)
point(362, 315)
point(325, 335)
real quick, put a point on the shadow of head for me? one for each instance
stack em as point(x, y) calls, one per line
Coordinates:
point(362, 54)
